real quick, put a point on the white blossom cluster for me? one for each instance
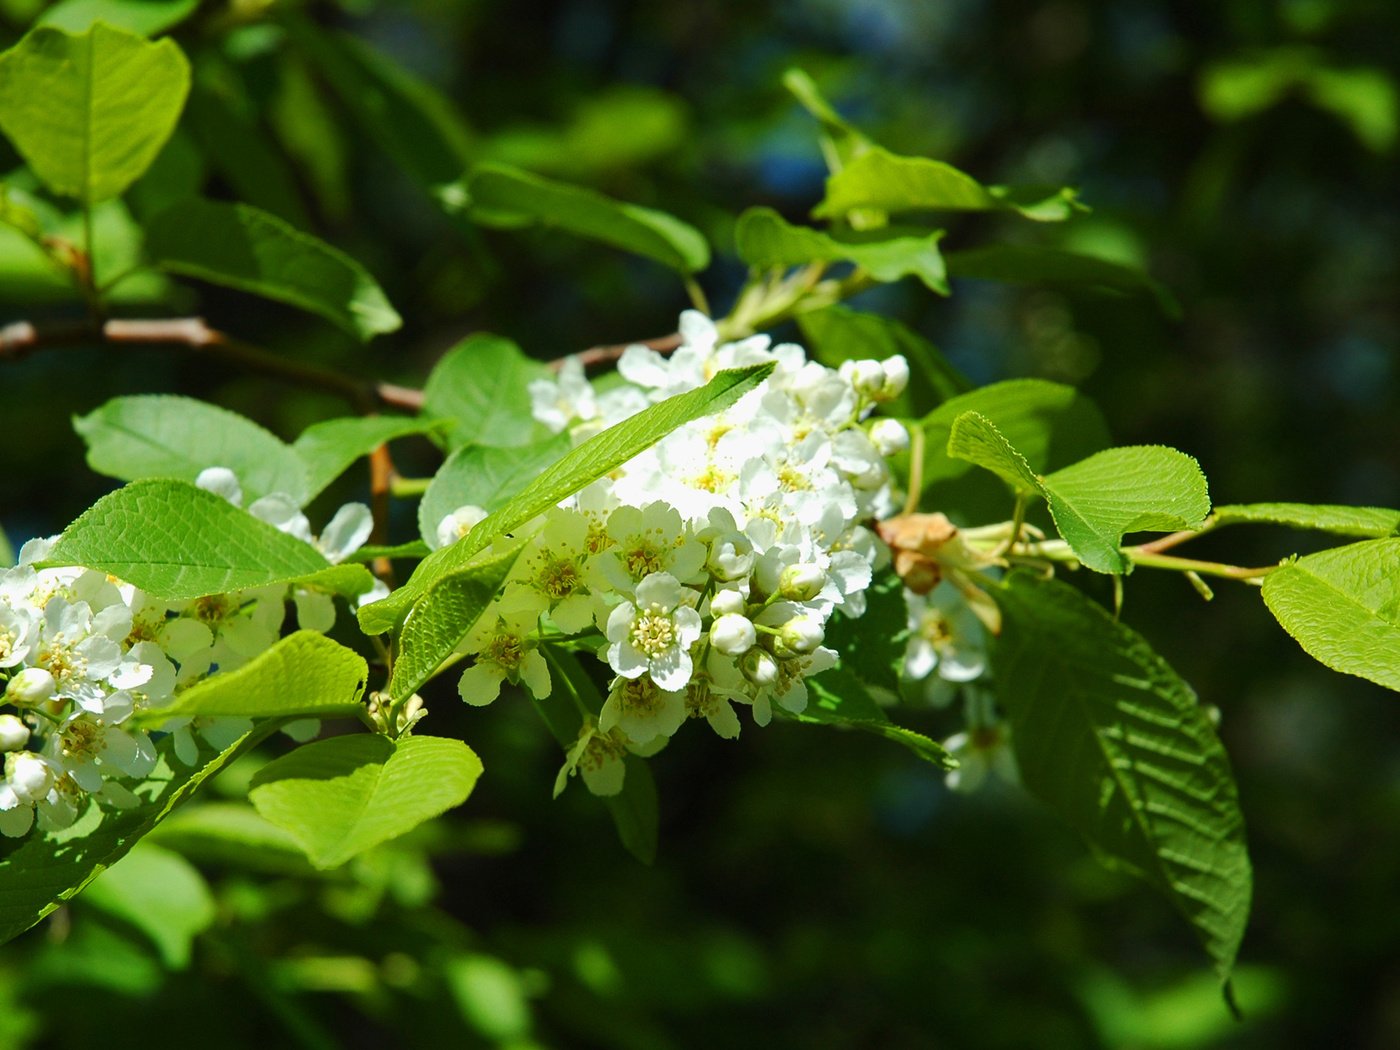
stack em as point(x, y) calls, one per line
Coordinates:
point(82, 652)
point(704, 571)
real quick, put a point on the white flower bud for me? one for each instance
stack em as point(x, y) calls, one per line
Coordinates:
point(733, 634)
point(801, 634)
point(896, 370)
point(802, 582)
point(30, 687)
point(731, 556)
point(221, 482)
point(460, 522)
point(728, 601)
point(759, 667)
point(29, 776)
point(889, 436)
point(867, 377)
point(14, 734)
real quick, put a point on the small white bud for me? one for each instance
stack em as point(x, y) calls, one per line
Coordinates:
point(29, 775)
point(801, 634)
point(14, 734)
point(221, 482)
point(30, 687)
point(889, 436)
point(731, 556)
point(802, 582)
point(728, 601)
point(759, 667)
point(867, 376)
point(460, 522)
point(896, 370)
point(733, 634)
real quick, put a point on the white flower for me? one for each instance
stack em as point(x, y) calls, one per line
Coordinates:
point(460, 522)
point(283, 513)
point(345, 533)
point(18, 630)
point(642, 710)
point(896, 371)
point(733, 634)
point(31, 687)
point(945, 635)
point(222, 482)
point(598, 756)
point(505, 648)
point(555, 567)
point(14, 734)
point(565, 399)
point(889, 436)
point(647, 540)
point(654, 636)
point(981, 751)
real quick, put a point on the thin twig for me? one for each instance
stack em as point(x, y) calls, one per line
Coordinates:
point(381, 478)
point(603, 355)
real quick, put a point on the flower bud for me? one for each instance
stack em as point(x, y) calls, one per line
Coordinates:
point(728, 601)
point(896, 377)
point(801, 634)
point(889, 436)
point(866, 376)
point(30, 687)
point(733, 634)
point(731, 556)
point(759, 667)
point(14, 734)
point(29, 775)
point(221, 482)
point(802, 582)
point(457, 524)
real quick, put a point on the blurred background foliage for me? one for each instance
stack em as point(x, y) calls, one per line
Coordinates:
point(812, 889)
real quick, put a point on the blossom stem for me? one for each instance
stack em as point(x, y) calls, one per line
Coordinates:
point(1060, 551)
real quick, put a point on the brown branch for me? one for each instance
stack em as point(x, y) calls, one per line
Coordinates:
point(381, 479)
point(603, 355)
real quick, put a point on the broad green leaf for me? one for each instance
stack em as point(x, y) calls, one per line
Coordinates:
point(1372, 522)
point(491, 998)
point(884, 181)
point(443, 616)
point(7, 552)
point(230, 833)
point(327, 449)
point(89, 113)
point(841, 141)
point(1096, 501)
point(500, 195)
point(764, 239)
point(164, 436)
point(837, 334)
point(838, 698)
point(302, 675)
point(159, 893)
point(371, 551)
point(177, 542)
point(482, 386)
point(486, 477)
point(341, 796)
point(1050, 424)
point(239, 246)
point(581, 466)
point(43, 870)
point(1343, 607)
point(1029, 264)
point(1109, 736)
point(145, 17)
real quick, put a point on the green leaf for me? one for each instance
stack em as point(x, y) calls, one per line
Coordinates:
point(302, 675)
point(177, 542)
point(230, 833)
point(89, 113)
point(884, 181)
point(339, 797)
point(163, 436)
point(1029, 264)
point(239, 246)
point(1050, 424)
point(159, 893)
point(842, 141)
point(766, 240)
point(485, 477)
point(581, 466)
point(482, 386)
point(499, 195)
point(7, 552)
point(1109, 736)
point(45, 869)
point(838, 698)
point(1343, 607)
point(327, 449)
point(1373, 522)
point(837, 333)
point(1096, 501)
point(145, 17)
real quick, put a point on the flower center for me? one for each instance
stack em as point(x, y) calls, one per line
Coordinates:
point(559, 577)
point(212, 608)
point(642, 559)
point(639, 696)
point(506, 650)
point(80, 738)
point(653, 632)
point(934, 629)
point(59, 659)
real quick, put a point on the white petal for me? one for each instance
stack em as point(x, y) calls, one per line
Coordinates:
point(480, 684)
point(534, 673)
point(346, 532)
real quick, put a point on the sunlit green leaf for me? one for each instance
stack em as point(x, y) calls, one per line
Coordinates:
point(145, 17)
point(485, 477)
point(482, 386)
point(1373, 522)
point(327, 449)
point(162, 895)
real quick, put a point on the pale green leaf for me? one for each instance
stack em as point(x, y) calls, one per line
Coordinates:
point(146, 17)
point(1055, 267)
point(581, 466)
point(159, 893)
point(342, 796)
point(231, 833)
point(887, 182)
point(482, 386)
point(302, 675)
point(1343, 607)
point(89, 113)
point(976, 439)
point(1373, 522)
point(500, 195)
point(1109, 736)
point(327, 449)
point(764, 239)
point(177, 542)
point(164, 436)
point(7, 552)
point(486, 477)
point(239, 246)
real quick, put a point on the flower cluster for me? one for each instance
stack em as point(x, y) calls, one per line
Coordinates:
point(703, 572)
point(81, 653)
